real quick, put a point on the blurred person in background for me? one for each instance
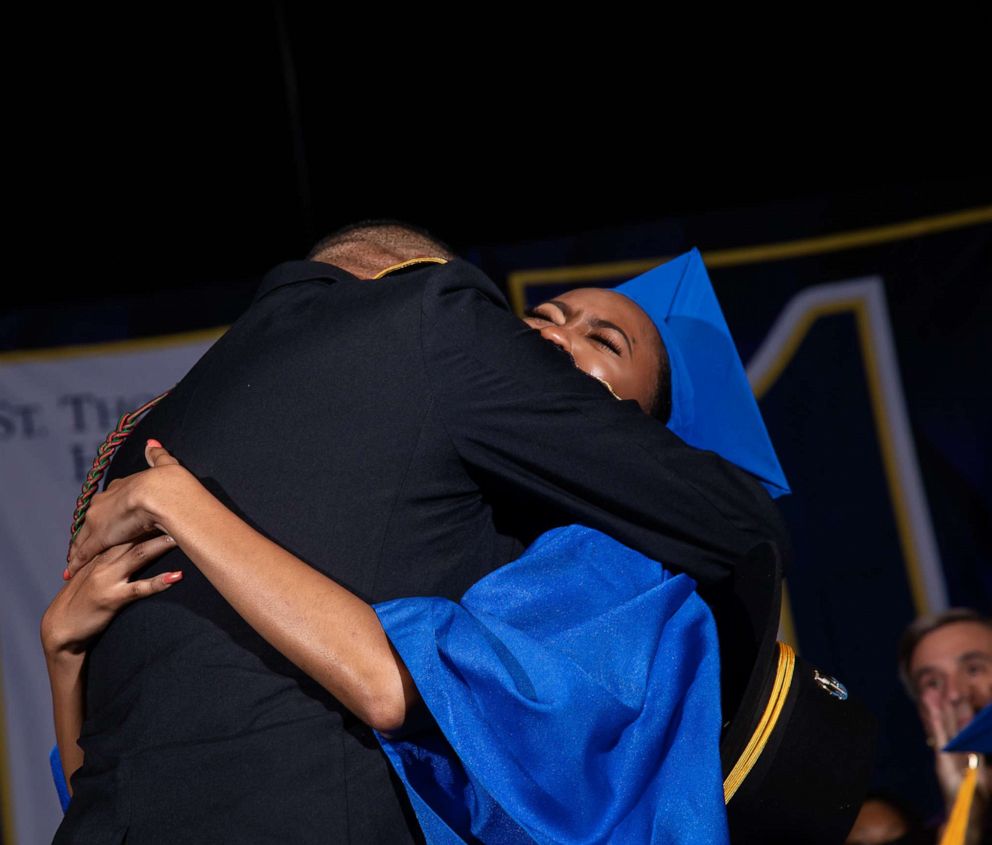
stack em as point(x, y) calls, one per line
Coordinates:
point(945, 663)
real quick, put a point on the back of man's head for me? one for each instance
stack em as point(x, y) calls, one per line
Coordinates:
point(370, 246)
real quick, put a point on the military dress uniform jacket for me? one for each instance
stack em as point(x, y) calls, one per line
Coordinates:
point(404, 436)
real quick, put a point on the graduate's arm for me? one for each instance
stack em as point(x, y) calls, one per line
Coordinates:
point(536, 427)
point(324, 629)
point(81, 610)
point(65, 676)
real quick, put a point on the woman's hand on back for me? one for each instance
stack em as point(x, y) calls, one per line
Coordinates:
point(131, 508)
point(86, 604)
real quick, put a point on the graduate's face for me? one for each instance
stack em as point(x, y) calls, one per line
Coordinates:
point(608, 336)
point(951, 672)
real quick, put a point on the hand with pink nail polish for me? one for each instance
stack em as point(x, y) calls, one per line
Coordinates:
point(131, 509)
point(86, 603)
point(82, 609)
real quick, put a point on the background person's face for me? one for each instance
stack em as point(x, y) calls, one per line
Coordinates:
point(953, 666)
point(608, 336)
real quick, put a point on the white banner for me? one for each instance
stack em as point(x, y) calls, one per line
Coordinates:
point(56, 407)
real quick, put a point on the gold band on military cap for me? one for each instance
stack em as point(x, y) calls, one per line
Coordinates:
point(766, 725)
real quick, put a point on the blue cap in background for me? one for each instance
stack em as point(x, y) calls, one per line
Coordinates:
point(976, 735)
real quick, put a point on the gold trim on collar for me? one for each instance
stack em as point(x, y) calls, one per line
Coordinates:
point(766, 725)
point(409, 263)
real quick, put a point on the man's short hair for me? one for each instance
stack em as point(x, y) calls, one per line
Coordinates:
point(401, 239)
point(920, 627)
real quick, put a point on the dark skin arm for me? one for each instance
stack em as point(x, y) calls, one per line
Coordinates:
point(80, 611)
point(320, 626)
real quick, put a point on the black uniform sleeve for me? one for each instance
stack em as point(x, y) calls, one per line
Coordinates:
point(520, 414)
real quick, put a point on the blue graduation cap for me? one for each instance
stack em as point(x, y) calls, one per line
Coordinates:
point(713, 406)
point(976, 735)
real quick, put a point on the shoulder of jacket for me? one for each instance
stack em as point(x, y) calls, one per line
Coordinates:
point(456, 279)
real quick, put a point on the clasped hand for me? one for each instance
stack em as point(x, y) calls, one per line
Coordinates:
point(127, 511)
point(121, 535)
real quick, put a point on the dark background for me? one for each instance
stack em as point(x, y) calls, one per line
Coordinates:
point(186, 148)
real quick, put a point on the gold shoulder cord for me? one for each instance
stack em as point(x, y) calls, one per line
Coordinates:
point(766, 725)
point(409, 263)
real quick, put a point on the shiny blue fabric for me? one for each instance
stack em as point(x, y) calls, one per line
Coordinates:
point(577, 695)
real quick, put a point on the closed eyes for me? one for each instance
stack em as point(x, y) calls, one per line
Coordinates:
point(601, 339)
point(610, 344)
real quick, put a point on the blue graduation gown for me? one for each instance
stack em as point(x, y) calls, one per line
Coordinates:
point(577, 695)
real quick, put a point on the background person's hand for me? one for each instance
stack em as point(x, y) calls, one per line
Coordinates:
point(129, 510)
point(86, 604)
point(943, 720)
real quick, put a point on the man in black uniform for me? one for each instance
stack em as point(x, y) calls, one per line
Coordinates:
point(404, 437)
